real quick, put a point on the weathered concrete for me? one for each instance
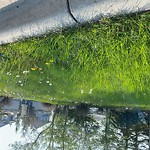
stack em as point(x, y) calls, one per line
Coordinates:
point(85, 10)
point(4, 3)
point(26, 18)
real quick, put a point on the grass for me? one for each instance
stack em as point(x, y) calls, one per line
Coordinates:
point(105, 63)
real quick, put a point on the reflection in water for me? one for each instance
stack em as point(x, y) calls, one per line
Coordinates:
point(75, 127)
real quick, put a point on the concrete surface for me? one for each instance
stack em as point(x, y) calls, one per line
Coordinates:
point(26, 18)
point(4, 3)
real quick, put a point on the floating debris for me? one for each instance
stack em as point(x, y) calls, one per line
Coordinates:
point(33, 69)
point(17, 76)
point(9, 73)
point(47, 63)
point(25, 72)
point(82, 91)
point(90, 92)
point(40, 69)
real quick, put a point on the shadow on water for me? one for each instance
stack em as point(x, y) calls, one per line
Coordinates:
point(81, 126)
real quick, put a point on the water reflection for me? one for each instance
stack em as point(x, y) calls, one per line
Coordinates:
point(75, 127)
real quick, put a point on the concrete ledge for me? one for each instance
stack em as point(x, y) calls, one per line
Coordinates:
point(26, 18)
point(4, 3)
point(85, 10)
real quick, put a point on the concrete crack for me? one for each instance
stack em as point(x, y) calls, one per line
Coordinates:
point(69, 11)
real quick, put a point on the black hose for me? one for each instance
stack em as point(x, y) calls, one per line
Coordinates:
point(69, 11)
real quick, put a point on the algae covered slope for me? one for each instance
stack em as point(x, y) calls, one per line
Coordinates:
point(105, 63)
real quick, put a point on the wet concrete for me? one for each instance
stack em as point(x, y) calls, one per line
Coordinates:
point(26, 18)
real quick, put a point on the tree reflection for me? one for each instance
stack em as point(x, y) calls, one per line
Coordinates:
point(4, 100)
point(79, 128)
point(132, 129)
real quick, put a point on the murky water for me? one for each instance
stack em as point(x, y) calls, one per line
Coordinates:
point(41, 126)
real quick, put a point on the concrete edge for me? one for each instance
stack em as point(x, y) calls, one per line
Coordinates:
point(26, 18)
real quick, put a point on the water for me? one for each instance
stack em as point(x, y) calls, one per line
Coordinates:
point(40, 126)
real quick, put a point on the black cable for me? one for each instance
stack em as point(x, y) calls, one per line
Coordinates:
point(69, 11)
